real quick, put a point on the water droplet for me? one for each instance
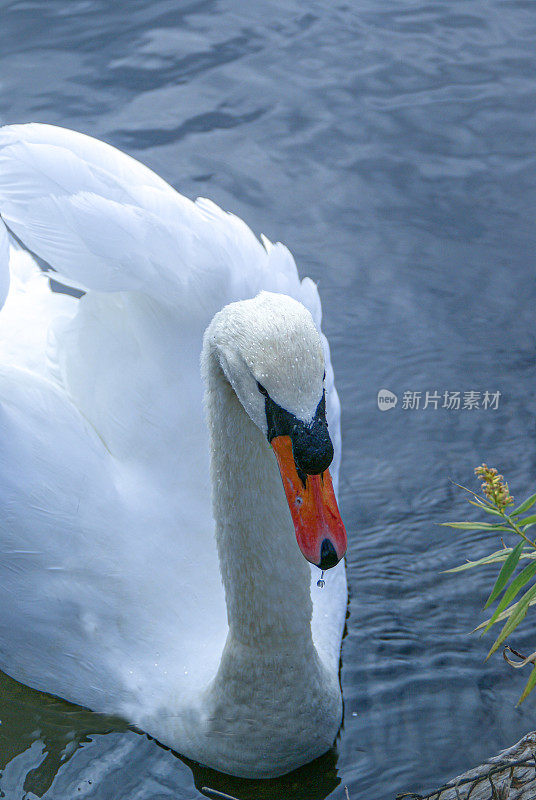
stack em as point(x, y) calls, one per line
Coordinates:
point(321, 583)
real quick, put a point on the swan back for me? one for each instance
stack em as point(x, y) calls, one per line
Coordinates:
point(115, 377)
point(108, 224)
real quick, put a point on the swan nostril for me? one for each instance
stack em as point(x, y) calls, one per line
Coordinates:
point(328, 555)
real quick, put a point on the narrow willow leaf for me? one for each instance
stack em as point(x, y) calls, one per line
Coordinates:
point(518, 614)
point(527, 522)
point(487, 509)
point(517, 584)
point(499, 555)
point(505, 614)
point(493, 558)
point(470, 526)
point(531, 683)
point(504, 575)
point(524, 506)
point(499, 528)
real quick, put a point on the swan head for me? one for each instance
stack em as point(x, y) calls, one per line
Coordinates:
point(272, 356)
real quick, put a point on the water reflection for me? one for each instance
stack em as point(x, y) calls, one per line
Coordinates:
point(311, 782)
point(391, 147)
point(51, 748)
point(39, 734)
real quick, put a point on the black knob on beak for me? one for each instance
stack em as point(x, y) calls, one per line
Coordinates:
point(312, 447)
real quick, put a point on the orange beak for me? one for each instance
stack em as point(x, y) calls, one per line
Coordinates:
point(320, 531)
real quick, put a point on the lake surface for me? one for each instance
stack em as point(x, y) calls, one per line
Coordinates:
point(391, 146)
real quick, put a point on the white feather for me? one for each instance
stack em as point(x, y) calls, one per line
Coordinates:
point(4, 263)
point(111, 592)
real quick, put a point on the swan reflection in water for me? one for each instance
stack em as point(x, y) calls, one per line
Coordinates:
point(49, 744)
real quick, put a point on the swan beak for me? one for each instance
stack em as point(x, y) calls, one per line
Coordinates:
point(320, 531)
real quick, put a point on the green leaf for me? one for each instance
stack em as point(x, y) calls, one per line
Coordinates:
point(471, 526)
point(517, 584)
point(527, 522)
point(503, 615)
point(487, 509)
point(531, 683)
point(517, 614)
point(524, 506)
point(499, 555)
point(504, 575)
point(493, 558)
point(499, 528)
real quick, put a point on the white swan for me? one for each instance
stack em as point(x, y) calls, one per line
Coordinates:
point(123, 588)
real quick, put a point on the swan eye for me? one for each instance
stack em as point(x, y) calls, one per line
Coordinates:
point(298, 501)
point(262, 390)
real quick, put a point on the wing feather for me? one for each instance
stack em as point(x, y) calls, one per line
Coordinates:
point(155, 267)
point(4, 263)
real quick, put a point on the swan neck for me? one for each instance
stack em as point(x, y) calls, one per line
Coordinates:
point(266, 578)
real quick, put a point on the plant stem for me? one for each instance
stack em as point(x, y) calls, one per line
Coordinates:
point(516, 528)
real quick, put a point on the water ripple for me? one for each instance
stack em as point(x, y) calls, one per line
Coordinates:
point(391, 146)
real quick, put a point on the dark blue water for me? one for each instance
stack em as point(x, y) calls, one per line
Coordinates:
point(390, 145)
